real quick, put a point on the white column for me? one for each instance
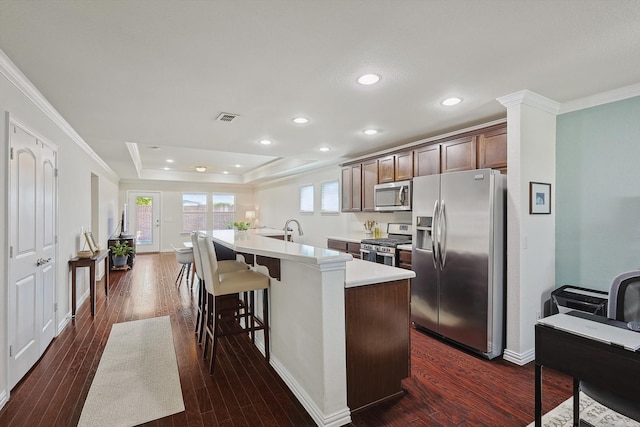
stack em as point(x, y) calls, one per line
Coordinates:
point(531, 154)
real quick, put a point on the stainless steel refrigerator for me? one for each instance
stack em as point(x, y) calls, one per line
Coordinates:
point(458, 257)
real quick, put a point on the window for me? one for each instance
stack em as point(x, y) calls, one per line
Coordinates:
point(224, 211)
point(306, 198)
point(194, 212)
point(330, 194)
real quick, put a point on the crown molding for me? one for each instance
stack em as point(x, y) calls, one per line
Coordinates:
point(601, 98)
point(22, 83)
point(531, 99)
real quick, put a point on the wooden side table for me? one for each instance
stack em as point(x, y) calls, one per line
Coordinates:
point(76, 262)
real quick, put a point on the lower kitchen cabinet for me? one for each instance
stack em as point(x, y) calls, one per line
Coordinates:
point(404, 259)
point(343, 246)
point(378, 342)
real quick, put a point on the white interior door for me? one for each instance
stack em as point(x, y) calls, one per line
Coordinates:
point(144, 220)
point(32, 252)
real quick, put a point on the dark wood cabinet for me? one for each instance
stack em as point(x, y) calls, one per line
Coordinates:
point(354, 250)
point(403, 166)
point(397, 167)
point(476, 149)
point(131, 241)
point(492, 149)
point(369, 180)
point(352, 188)
point(426, 160)
point(386, 169)
point(404, 259)
point(351, 248)
point(458, 154)
point(377, 342)
point(337, 245)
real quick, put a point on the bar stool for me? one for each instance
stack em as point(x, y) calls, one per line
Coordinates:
point(202, 293)
point(184, 256)
point(220, 284)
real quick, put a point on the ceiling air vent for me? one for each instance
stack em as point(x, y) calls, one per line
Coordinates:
point(226, 117)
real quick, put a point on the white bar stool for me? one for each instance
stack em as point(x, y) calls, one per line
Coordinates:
point(220, 284)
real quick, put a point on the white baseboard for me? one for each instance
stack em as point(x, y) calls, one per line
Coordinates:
point(519, 358)
point(338, 418)
point(63, 324)
point(4, 398)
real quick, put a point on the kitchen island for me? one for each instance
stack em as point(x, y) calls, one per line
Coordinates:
point(339, 327)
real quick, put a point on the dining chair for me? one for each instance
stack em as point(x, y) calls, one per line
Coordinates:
point(184, 256)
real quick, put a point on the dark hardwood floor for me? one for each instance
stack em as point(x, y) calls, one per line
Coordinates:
point(448, 387)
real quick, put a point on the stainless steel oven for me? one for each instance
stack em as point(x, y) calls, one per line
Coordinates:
point(384, 250)
point(379, 254)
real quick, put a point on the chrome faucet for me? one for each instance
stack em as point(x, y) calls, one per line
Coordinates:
point(286, 229)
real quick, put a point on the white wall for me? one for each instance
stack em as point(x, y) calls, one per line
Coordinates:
point(24, 103)
point(171, 204)
point(279, 201)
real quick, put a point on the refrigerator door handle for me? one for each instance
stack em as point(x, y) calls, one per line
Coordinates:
point(434, 235)
point(442, 240)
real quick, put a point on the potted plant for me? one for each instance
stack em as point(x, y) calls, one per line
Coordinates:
point(121, 251)
point(242, 226)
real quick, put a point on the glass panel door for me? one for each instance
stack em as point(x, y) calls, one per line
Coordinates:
point(144, 220)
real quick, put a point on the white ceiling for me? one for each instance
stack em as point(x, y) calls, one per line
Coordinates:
point(157, 73)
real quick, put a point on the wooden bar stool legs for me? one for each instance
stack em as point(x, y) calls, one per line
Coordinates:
point(215, 315)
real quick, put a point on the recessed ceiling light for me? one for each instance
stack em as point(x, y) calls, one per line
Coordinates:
point(369, 79)
point(325, 149)
point(201, 169)
point(265, 142)
point(167, 169)
point(300, 120)
point(238, 166)
point(451, 101)
point(371, 131)
point(225, 172)
point(170, 161)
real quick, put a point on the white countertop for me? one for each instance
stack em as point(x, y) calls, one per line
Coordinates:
point(259, 244)
point(354, 237)
point(405, 247)
point(366, 273)
point(267, 231)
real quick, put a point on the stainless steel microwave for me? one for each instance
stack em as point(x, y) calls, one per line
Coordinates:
point(393, 196)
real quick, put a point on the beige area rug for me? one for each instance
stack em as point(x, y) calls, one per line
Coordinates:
point(137, 379)
point(590, 411)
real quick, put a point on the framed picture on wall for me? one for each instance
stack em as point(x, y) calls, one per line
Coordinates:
point(539, 198)
point(93, 246)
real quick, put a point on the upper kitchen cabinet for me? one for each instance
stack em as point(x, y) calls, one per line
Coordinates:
point(369, 180)
point(396, 167)
point(403, 166)
point(426, 160)
point(386, 169)
point(458, 154)
point(492, 149)
point(352, 188)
